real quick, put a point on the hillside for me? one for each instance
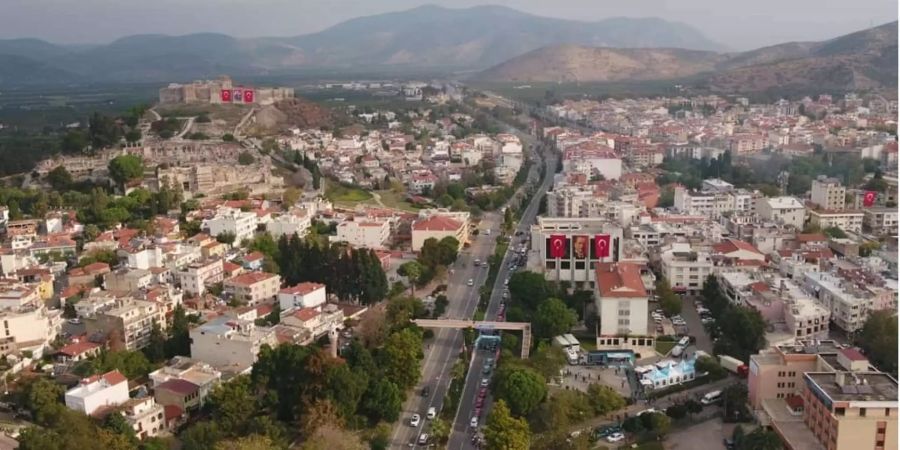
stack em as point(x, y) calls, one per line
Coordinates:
point(423, 37)
point(862, 60)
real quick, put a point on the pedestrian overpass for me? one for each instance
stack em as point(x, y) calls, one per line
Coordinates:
point(524, 327)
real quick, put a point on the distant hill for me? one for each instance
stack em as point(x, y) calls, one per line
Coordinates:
point(424, 37)
point(865, 59)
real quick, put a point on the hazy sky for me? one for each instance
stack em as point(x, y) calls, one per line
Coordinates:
point(738, 24)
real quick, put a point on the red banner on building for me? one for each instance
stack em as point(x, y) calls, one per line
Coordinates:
point(226, 95)
point(601, 245)
point(557, 245)
point(580, 246)
point(248, 96)
point(869, 198)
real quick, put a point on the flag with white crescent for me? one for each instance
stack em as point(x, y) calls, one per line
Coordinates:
point(226, 95)
point(248, 96)
point(869, 198)
point(601, 245)
point(557, 245)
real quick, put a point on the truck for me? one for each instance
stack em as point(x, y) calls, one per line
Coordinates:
point(733, 365)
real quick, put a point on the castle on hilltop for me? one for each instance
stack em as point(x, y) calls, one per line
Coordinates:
point(221, 91)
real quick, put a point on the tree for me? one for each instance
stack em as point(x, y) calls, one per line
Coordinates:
point(116, 423)
point(760, 439)
point(274, 317)
point(125, 168)
point(290, 197)
point(155, 351)
point(878, 339)
point(503, 431)
point(835, 232)
point(668, 300)
point(383, 401)
point(746, 333)
point(659, 423)
point(528, 289)
point(103, 131)
point(553, 318)
point(226, 237)
point(228, 137)
point(332, 437)
point(179, 342)
point(412, 270)
point(251, 442)
point(201, 436)
point(43, 400)
point(448, 249)
point(440, 430)
point(709, 365)
point(399, 357)
point(75, 141)
point(604, 399)
point(522, 388)
point(232, 405)
point(133, 136)
point(547, 359)
point(693, 407)
point(246, 158)
point(677, 411)
point(59, 178)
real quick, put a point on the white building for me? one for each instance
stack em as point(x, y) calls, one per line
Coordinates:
point(881, 220)
point(843, 219)
point(622, 306)
point(230, 345)
point(781, 210)
point(438, 227)
point(303, 295)
point(828, 193)
point(372, 234)
point(98, 391)
point(849, 305)
point(252, 288)
point(142, 258)
point(297, 222)
point(233, 221)
point(145, 416)
point(685, 268)
point(580, 251)
point(197, 275)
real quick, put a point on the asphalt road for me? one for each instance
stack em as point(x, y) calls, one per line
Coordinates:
point(444, 348)
point(461, 432)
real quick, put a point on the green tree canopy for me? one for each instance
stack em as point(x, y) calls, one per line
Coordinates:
point(878, 339)
point(503, 431)
point(522, 388)
point(529, 289)
point(553, 318)
point(125, 168)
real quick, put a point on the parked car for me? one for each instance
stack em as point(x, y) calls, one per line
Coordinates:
point(473, 422)
point(615, 437)
point(485, 382)
point(471, 282)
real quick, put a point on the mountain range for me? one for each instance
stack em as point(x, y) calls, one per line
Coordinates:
point(863, 60)
point(427, 37)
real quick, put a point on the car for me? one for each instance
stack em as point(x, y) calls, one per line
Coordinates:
point(615, 437)
point(729, 444)
point(646, 411)
point(478, 412)
point(479, 402)
point(471, 282)
point(474, 422)
point(415, 420)
point(506, 282)
point(75, 321)
point(423, 438)
point(431, 414)
point(485, 382)
point(482, 392)
point(477, 262)
point(347, 334)
point(425, 391)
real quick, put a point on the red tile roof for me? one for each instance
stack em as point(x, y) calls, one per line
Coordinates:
point(78, 348)
point(853, 354)
point(619, 280)
point(306, 314)
point(179, 386)
point(302, 288)
point(733, 245)
point(246, 279)
point(437, 223)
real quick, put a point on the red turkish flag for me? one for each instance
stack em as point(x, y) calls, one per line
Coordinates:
point(248, 96)
point(601, 245)
point(226, 95)
point(869, 198)
point(557, 246)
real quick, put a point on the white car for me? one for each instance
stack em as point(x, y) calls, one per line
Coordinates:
point(506, 282)
point(471, 282)
point(431, 414)
point(423, 438)
point(615, 437)
point(646, 411)
point(485, 382)
point(415, 420)
point(474, 422)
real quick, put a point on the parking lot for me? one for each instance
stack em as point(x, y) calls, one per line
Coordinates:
point(705, 435)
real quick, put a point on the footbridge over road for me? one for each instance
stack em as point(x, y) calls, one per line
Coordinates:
point(524, 327)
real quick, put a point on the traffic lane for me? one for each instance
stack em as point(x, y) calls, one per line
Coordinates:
point(695, 326)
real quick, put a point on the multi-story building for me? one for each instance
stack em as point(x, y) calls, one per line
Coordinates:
point(190, 370)
point(828, 193)
point(781, 210)
point(230, 345)
point(372, 234)
point(303, 295)
point(438, 227)
point(128, 280)
point(29, 327)
point(849, 304)
point(145, 416)
point(197, 275)
point(582, 238)
point(881, 220)
point(99, 391)
point(233, 221)
point(844, 219)
point(253, 287)
point(850, 409)
point(621, 301)
point(295, 222)
point(686, 269)
point(128, 323)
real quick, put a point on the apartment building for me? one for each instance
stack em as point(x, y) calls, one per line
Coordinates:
point(781, 210)
point(197, 275)
point(145, 416)
point(686, 269)
point(253, 287)
point(584, 243)
point(851, 410)
point(128, 280)
point(97, 392)
point(295, 222)
point(233, 221)
point(622, 306)
point(229, 345)
point(196, 372)
point(828, 193)
point(128, 322)
point(303, 295)
point(881, 220)
point(844, 219)
point(372, 234)
point(32, 326)
point(849, 304)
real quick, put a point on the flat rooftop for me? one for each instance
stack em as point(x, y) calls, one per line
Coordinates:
point(856, 386)
point(811, 347)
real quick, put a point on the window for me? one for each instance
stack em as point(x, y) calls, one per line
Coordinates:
point(862, 412)
point(839, 411)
